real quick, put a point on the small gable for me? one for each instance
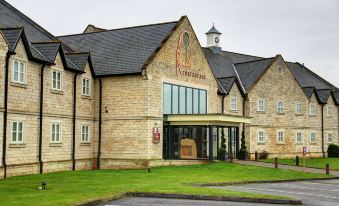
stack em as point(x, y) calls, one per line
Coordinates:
point(12, 36)
point(323, 95)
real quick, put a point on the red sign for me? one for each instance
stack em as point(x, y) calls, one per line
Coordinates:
point(304, 151)
point(156, 135)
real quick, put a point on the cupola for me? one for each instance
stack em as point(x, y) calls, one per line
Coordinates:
point(213, 40)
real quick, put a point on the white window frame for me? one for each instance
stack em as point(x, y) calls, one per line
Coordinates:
point(84, 88)
point(23, 72)
point(315, 137)
point(82, 133)
point(51, 132)
point(56, 81)
point(328, 137)
point(16, 141)
point(329, 111)
point(296, 137)
point(283, 136)
point(259, 136)
point(233, 107)
point(263, 105)
point(313, 109)
point(280, 107)
point(298, 108)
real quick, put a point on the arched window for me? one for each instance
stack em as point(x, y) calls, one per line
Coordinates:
point(280, 107)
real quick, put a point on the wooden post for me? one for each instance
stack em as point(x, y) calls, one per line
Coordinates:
point(327, 168)
point(276, 162)
point(297, 160)
point(256, 156)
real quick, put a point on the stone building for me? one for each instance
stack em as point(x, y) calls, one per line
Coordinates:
point(146, 96)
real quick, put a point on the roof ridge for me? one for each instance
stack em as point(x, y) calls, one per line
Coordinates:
point(257, 60)
point(27, 19)
point(47, 42)
point(242, 54)
point(12, 28)
point(75, 53)
point(131, 27)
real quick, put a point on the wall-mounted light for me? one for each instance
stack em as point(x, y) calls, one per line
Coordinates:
point(106, 109)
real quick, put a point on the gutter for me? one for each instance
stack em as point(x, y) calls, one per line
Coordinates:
point(322, 130)
point(100, 128)
point(40, 117)
point(4, 146)
point(74, 116)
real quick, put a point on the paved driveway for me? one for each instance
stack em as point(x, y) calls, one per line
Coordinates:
point(317, 192)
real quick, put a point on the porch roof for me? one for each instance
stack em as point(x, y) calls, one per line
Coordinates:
point(206, 119)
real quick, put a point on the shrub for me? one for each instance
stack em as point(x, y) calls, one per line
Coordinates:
point(333, 150)
point(263, 155)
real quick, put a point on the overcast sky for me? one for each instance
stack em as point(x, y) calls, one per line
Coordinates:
point(306, 31)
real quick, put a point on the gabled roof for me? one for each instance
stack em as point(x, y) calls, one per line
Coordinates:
point(323, 95)
point(48, 49)
point(250, 72)
point(336, 97)
point(308, 91)
point(226, 83)
point(11, 17)
point(121, 51)
point(78, 61)
point(38, 55)
point(12, 36)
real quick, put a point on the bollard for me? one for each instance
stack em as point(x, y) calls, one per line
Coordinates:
point(149, 170)
point(327, 169)
point(297, 160)
point(276, 162)
point(256, 156)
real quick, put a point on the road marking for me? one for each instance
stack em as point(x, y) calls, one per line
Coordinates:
point(309, 188)
point(297, 193)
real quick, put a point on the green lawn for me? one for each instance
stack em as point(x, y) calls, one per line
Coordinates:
point(69, 188)
point(314, 162)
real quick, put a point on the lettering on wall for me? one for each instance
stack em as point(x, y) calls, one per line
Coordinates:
point(184, 57)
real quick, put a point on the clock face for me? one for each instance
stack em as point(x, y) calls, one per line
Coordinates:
point(216, 39)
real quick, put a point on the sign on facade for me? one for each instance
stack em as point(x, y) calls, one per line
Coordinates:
point(156, 135)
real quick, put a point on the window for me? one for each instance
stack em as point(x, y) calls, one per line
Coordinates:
point(55, 133)
point(261, 105)
point(84, 133)
point(261, 136)
point(329, 111)
point(280, 136)
point(233, 104)
point(17, 132)
point(298, 138)
point(329, 137)
point(280, 107)
point(19, 72)
point(184, 100)
point(298, 109)
point(313, 137)
point(56, 80)
point(85, 87)
point(313, 110)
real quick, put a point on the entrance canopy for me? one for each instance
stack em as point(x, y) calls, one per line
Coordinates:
point(206, 119)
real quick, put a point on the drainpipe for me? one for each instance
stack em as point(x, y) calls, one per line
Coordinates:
point(40, 116)
point(74, 115)
point(223, 104)
point(100, 116)
point(322, 130)
point(4, 146)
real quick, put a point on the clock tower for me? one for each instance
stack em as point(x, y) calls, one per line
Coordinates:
point(213, 40)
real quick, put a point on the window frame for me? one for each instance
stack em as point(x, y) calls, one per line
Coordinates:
point(311, 110)
point(88, 80)
point(51, 132)
point(24, 72)
point(22, 132)
point(56, 82)
point(82, 133)
point(315, 138)
point(328, 138)
point(329, 108)
point(236, 104)
point(278, 107)
point(296, 108)
point(301, 137)
point(264, 135)
point(258, 105)
point(283, 140)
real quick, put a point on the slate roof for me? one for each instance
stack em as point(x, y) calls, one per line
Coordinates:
point(121, 51)
point(37, 54)
point(323, 95)
point(308, 91)
point(77, 61)
point(227, 83)
point(48, 49)
point(250, 72)
point(12, 36)
point(336, 97)
point(213, 30)
point(222, 64)
point(11, 17)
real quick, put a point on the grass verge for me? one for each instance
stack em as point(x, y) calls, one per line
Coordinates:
point(313, 162)
point(70, 188)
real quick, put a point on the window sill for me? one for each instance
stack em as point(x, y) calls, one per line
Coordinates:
point(57, 91)
point(261, 112)
point(83, 96)
point(85, 144)
point(298, 143)
point(261, 143)
point(313, 144)
point(19, 145)
point(329, 116)
point(17, 84)
point(55, 144)
point(280, 143)
point(299, 114)
point(280, 113)
point(312, 115)
point(234, 110)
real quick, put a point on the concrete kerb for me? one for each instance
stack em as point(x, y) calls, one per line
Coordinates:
point(195, 197)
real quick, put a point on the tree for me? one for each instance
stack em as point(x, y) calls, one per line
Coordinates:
point(243, 154)
point(222, 149)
